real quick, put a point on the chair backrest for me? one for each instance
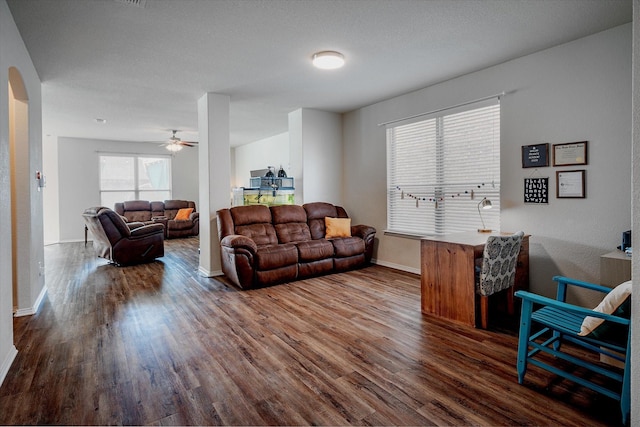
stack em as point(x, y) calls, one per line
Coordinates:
point(106, 225)
point(316, 213)
point(134, 210)
point(290, 222)
point(499, 263)
point(254, 222)
point(171, 207)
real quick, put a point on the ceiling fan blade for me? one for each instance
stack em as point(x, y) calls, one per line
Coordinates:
point(188, 143)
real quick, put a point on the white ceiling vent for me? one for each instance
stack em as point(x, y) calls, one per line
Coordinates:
point(137, 3)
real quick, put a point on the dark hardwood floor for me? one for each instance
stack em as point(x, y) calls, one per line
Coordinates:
point(159, 344)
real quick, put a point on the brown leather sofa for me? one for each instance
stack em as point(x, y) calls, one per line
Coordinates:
point(163, 213)
point(123, 243)
point(263, 245)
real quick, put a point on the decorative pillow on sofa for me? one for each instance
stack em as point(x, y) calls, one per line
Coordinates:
point(337, 227)
point(617, 302)
point(183, 214)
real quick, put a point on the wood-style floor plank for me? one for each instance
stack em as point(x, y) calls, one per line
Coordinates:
point(158, 344)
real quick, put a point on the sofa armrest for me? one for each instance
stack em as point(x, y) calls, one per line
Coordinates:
point(146, 230)
point(238, 241)
point(195, 216)
point(133, 225)
point(362, 231)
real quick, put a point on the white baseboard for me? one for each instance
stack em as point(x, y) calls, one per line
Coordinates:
point(396, 266)
point(32, 310)
point(207, 273)
point(6, 363)
point(74, 241)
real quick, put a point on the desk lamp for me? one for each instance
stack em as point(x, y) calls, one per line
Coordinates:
point(484, 204)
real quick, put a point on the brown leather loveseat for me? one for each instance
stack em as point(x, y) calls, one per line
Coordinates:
point(123, 243)
point(164, 213)
point(263, 245)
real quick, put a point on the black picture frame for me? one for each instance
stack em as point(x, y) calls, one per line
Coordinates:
point(570, 184)
point(569, 154)
point(535, 156)
point(536, 190)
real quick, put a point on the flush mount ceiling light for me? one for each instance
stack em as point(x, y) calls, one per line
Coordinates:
point(328, 60)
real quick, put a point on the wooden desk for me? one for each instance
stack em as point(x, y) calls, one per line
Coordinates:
point(447, 268)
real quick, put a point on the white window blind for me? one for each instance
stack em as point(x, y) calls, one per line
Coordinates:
point(440, 167)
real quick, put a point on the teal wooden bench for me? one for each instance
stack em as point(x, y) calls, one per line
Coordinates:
point(546, 323)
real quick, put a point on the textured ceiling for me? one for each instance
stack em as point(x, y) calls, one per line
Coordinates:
point(144, 68)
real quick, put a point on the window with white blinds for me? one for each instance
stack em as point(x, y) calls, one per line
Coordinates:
point(440, 167)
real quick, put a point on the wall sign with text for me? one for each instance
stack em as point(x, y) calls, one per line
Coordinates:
point(535, 156)
point(536, 190)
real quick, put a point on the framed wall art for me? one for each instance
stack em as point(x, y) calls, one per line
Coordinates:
point(536, 190)
point(570, 184)
point(535, 156)
point(573, 153)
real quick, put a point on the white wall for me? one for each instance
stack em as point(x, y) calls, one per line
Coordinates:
point(13, 53)
point(315, 143)
point(77, 177)
point(573, 92)
point(50, 192)
point(273, 151)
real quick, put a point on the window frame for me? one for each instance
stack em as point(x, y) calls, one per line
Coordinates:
point(462, 198)
point(136, 190)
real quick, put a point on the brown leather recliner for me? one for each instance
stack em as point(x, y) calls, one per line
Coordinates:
point(123, 243)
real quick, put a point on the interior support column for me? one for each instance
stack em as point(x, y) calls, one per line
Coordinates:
point(214, 162)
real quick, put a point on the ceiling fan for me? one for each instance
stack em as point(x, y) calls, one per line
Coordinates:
point(176, 144)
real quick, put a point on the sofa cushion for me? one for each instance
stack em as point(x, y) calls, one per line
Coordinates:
point(348, 246)
point(316, 213)
point(292, 232)
point(179, 225)
point(276, 256)
point(157, 209)
point(137, 205)
point(290, 222)
point(183, 214)
point(254, 222)
point(337, 227)
point(262, 234)
point(313, 250)
point(171, 207)
point(136, 210)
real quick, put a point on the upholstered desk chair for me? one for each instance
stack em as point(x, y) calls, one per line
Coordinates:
point(498, 271)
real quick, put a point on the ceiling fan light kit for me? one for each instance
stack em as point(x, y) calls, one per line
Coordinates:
point(175, 144)
point(173, 147)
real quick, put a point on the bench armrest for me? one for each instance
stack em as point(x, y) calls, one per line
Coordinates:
point(550, 302)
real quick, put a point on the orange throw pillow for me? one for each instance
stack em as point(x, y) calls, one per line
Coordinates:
point(183, 214)
point(337, 227)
